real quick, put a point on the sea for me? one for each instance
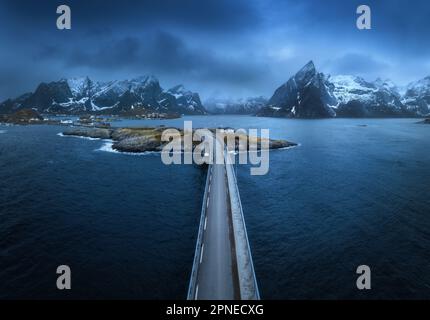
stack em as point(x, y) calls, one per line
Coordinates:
point(353, 192)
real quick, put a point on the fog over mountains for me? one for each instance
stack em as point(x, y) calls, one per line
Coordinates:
point(307, 94)
point(235, 106)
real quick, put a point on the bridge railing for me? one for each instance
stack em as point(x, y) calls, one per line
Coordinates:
point(247, 279)
point(194, 272)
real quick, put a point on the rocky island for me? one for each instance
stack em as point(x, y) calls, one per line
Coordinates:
point(138, 140)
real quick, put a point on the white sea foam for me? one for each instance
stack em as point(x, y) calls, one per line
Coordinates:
point(80, 137)
point(286, 148)
point(107, 147)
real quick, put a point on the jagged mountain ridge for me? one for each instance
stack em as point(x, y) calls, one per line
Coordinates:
point(417, 96)
point(359, 98)
point(124, 97)
point(310, 94)
point(305, 95)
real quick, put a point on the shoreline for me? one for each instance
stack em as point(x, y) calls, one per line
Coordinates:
point(53, 122)
point(149, 139)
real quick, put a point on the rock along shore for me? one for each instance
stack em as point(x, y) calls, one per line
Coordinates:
point(138, 140)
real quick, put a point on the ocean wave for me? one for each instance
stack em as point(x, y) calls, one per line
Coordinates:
point(81, 137)
point(286, 148)
point(2, 131)
point(107, 147)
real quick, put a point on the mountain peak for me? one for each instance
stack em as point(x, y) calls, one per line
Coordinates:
point(308, 67)
point(306, 95)
point(178, 89)
point(379, 81)
point(148, 79)
point(127, 97)
point(310, 64)
point(144, 81)
point(306, 73)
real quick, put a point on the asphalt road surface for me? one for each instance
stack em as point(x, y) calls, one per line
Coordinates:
point(217, 276)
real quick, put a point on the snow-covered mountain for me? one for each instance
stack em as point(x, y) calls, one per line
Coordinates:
point(236, 106)
point(307, 94)
point(124, 97)
point(187, 100)
point(359, 98)
point(310, 94)
point(417, 97)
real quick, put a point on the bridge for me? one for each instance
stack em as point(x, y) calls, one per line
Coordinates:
point(222, 267)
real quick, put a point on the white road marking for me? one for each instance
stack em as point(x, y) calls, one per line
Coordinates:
point(197, 292)
point(206, 220)
point(209, 191)
point(201, 253)
point(207, 203)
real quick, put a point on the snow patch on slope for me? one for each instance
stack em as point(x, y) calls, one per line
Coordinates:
point(348, 88)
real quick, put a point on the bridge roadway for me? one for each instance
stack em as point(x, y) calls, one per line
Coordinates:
point(216, 275)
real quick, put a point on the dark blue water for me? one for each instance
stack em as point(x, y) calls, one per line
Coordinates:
point(348, 195)
point(126, 225)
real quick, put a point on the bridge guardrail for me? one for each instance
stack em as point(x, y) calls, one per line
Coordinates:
point(247, 278)
point(194, 272)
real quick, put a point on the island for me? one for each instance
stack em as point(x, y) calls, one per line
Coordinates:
point(137, 140)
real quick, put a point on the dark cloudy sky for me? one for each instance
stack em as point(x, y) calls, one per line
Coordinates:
point(230, 48)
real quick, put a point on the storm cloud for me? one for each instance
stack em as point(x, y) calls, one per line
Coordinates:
point(216, 47)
